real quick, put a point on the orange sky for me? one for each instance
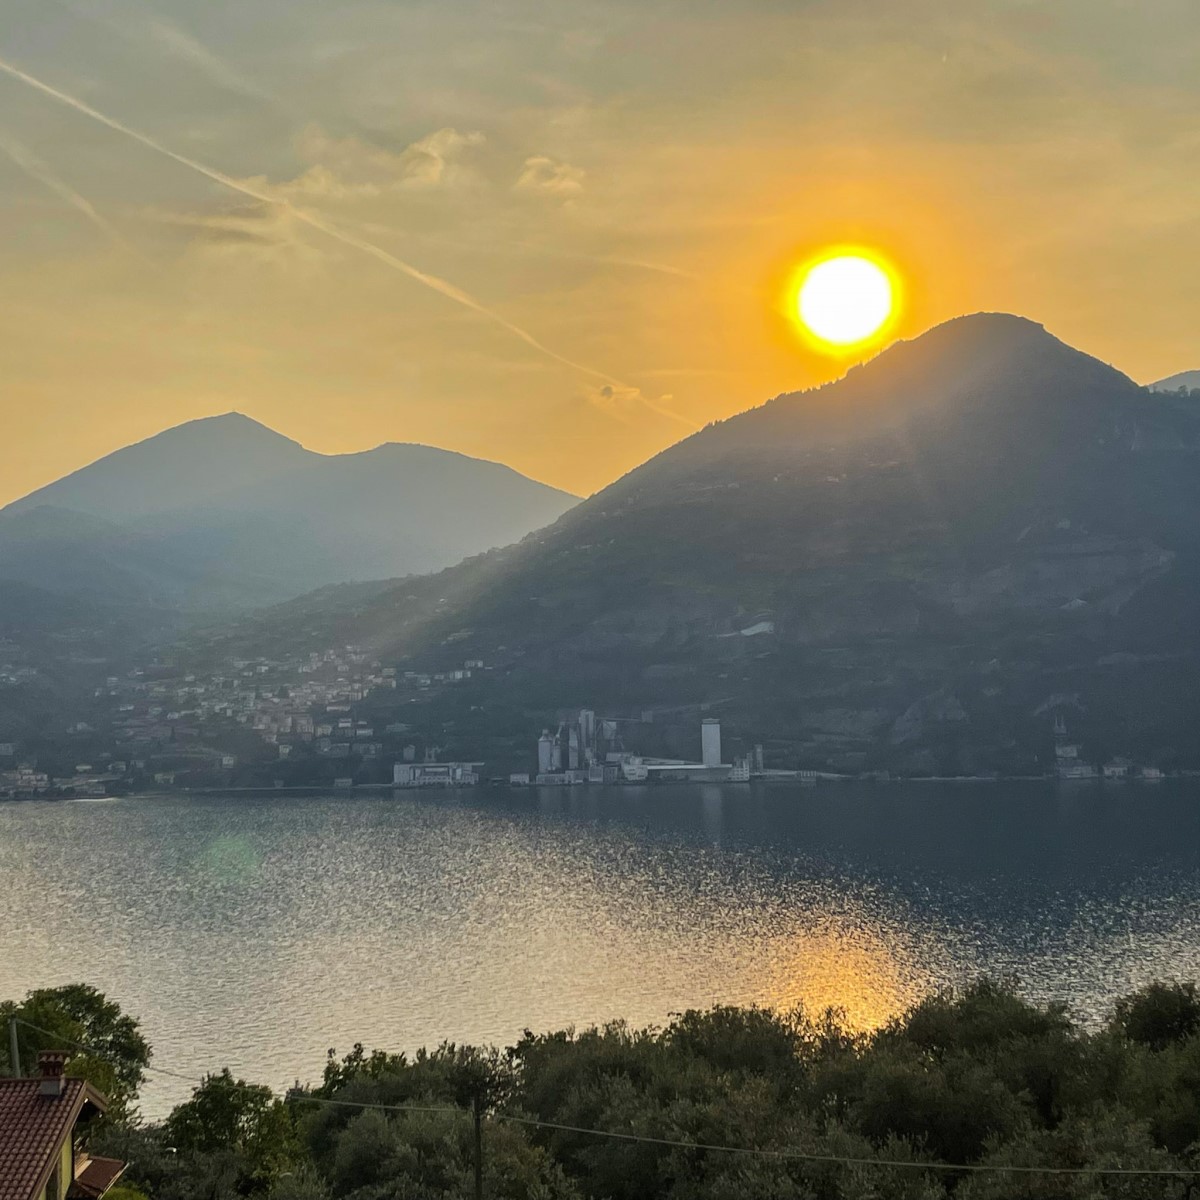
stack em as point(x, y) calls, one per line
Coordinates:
point(625, 184)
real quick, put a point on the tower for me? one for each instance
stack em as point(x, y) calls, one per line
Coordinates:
point(545, 753)
point(710, 742)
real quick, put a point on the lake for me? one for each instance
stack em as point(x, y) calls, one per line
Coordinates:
point(258, 932)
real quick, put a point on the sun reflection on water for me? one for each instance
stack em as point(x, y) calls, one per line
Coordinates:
point(848, 966)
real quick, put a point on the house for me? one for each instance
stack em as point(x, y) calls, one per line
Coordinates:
point(41, 1123)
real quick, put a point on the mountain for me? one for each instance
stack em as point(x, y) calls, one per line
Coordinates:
point(1185, 381)
point(189, 466)
point(914, 568)
point(225, 513)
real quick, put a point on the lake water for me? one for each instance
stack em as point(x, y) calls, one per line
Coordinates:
point(258, 932)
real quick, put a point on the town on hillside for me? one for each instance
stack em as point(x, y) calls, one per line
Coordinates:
point(343, 719)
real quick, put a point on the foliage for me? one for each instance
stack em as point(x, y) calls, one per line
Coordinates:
point(74, 1016)
point(975, 1094)
point(230, 1115)
point(450, 1073)
point(1159, 1014)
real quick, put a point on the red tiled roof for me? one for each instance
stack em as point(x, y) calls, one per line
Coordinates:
point(97, 1177)
point(33, 1128)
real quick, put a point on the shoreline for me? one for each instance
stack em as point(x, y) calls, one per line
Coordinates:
point(807, 783)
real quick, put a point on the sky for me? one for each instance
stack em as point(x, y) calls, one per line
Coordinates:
point(558, 235)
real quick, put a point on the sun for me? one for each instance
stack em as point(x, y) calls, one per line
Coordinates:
point(846, 299)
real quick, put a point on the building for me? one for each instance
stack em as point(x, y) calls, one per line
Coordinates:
point(1068, 764)
point(633, 769)
point(42, 1120)
point(590, 750)
point(433, 774)
point(549, 754)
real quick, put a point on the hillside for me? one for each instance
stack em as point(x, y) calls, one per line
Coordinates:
point(1186, 381)
point(223, 513)
point(911, 568)
point(56, 650)
point(74, 555)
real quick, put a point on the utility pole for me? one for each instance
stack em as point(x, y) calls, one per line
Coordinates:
point(14, 1048)
point(477, 1109)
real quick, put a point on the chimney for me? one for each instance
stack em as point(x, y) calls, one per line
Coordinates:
point(51, 1064)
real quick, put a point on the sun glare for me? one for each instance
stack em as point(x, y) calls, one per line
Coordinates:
point(846, 300)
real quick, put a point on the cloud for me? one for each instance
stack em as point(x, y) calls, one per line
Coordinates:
point(429, 162)
point(547, 177)
point(27, 161)
point(348, 168)
point(247, 224)
point(262, 194)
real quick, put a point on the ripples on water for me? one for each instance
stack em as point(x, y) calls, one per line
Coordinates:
point(257, 933)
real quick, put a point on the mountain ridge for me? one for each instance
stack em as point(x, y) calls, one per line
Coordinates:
point(292, 455)
point(983, 513)
point(224, 513)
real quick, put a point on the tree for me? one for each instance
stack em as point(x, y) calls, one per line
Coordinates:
point(230, 1115)
point(1112, 1138)
point(1159, 1014)
point(105, 1045)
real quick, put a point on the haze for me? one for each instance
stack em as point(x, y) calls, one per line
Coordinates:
point(625, 184)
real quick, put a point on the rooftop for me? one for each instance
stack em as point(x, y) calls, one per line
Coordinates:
point(32, 1127)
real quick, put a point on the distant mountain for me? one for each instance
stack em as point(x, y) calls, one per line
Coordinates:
point(225, 513)
point(72, 554)
point(189, 466)
point(913, 568)
point(1184, 381)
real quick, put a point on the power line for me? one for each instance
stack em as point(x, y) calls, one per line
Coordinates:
point(95, 1050)
point(295, 1096)
point(789, 1155)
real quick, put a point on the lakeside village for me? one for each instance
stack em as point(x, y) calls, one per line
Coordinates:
point(328, 721)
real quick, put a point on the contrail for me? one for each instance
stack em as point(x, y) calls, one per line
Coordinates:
point(148, 26)
point(320, 224)
point(183, 45)
point(39, 172)
point(612, 260)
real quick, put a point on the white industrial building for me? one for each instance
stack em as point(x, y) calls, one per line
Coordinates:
point(588, 751)
point(433, 774)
